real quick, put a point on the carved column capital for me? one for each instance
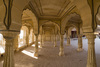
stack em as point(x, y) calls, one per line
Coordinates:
point(10, 34)
point(90, 35)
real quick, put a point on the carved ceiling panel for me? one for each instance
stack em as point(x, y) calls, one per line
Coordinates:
point(50, 9)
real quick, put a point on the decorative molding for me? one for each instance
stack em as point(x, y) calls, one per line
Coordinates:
point(10, 30)
point(69, 10)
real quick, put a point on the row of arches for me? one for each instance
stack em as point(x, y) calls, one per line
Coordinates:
point(85, 13)
point(25, 37)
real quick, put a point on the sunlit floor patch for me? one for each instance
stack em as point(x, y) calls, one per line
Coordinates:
point(34, 46)
point(29, 54)
point(21, 44)
point(2, 62)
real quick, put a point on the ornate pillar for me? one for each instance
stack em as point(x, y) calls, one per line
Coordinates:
point(9, 53)
point(32, 38)
point(55, 41)
point(9, 48)
point(41, 41)
point(61, 53)
point(68, 40)
point(43, 36)
point(36, 46)
point(9, 35)
point(27, 38)
point(16, 43)
point(80, 43)
point(91, 59)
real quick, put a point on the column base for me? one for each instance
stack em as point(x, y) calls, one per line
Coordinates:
point(25, 45)
point(91, 65)
point(68, 45)
point(55, 45)
point(80, 49)
point(28, 45)
point(61, 53)
point(17, 50)
point(40, 46)
point(36, 54)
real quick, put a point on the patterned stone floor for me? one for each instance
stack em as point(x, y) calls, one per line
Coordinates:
point(48, 56)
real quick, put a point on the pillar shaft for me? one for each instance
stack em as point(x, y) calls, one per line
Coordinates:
point(55, 41)
point(68, 40)
point(32, 38)
point(36, 46)
point(16, 43)
point(27, 39)
point(91, 59)
point(57, 37)
point(9, 53)
point(41, 41)
point(80, 43)
point(61, 53)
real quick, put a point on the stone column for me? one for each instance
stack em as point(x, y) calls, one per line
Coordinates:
point(52, 38)
point(41, 41)
point(9, 36)
point(27, 39)
point(32, 38)
point(68, 40)
point(57, 37)
point(36, 46)
point(16, 43)
point(55, 41)
point(61, 53)
point(91, 59)
point(9, 48)
point(80, 43)
point(9, 53)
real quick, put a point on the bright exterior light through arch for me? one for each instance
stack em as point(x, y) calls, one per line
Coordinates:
point(2, 44)
point(21, 34)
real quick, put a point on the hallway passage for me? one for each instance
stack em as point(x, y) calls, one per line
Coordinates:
point(48, 55)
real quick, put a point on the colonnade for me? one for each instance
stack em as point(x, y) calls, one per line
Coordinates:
point(12, 43)
point(91, 59)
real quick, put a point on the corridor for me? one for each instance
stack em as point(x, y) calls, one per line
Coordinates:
point(48, 55)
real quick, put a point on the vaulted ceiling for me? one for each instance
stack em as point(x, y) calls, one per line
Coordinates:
point(76, 19)
point(48, 27)
point(55, 9)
